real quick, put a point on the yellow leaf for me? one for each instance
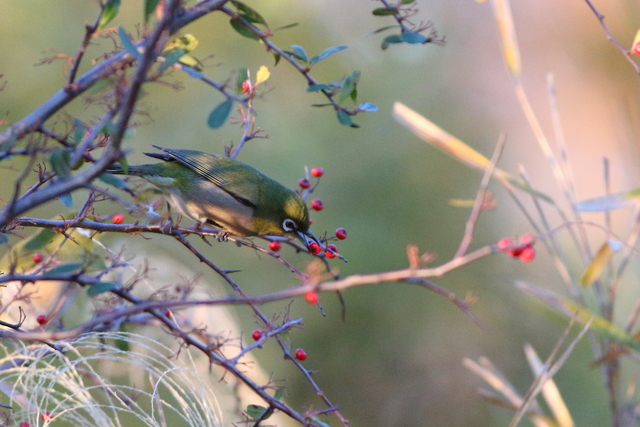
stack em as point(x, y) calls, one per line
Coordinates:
point(263, 75)
point(635, 47)
point(188, 42)
point(598, 264)
point(507, 36)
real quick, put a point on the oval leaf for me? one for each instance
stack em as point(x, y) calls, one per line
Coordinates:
point(299, 52)
point(66, 199)
point(413, 38)
point(102, 287)
point(110, 11)
point(385, 11)
point(149, 7)
point(60, 163)
point(248, 13)
point(597, 264)
point(317, 87)
point(346, 120)
point(63, 269)
point(128, 44)
point(242, 30)
point(326, 53)
point(243, 76)
point(368, 107)
point(113, 180)
point(258, 412)
point(391, 39)
point(349, 84)
point(262, 75)
point(39, 240)
point(219, 114)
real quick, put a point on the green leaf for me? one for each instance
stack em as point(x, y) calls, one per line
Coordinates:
point(391, 39)
point(219, 114)
point(39, 240)
point(413, 38)
point(62, 269)
point(326, 53)
point(277, 57)
point(368, 107)
point(128, 44)
point(279, 393)
point(4, 238)
point(407, 1)
point(125, 165)
point(609, 202)
point(572, 310)
point(59, 160)
point(379, 30)
point(80, 132)
point(102, 287)
point(346, 120)
point(66, 199)
point(149, 7)
point(348, 85)
point(319, 86)
point(385, 11)
point(257, 412)
point(113, 180)
point(171, 58)
point(110, 11)
point(298, 52)
point(354, 94)
point(243, 76)
point(248, 13)
point(242, 30)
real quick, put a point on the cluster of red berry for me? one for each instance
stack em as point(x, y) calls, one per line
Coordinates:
point(521, 249)
point(300, 354)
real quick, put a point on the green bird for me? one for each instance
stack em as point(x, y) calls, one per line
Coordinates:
point(226, 193)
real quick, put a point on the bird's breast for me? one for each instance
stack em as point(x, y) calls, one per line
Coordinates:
point(204, 201)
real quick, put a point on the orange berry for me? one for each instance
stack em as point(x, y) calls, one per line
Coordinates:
point(117, 218)
point(311, 297)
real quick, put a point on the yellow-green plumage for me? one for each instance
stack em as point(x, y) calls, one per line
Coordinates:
point(227, 193)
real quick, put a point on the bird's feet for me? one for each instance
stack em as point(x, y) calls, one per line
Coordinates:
point(222, 236)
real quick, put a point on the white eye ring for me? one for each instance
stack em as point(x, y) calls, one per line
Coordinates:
point(288, 225)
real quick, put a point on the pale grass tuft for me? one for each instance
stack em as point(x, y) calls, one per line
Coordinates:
point(74, 388)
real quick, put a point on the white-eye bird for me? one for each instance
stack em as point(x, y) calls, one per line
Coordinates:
point(227, 193)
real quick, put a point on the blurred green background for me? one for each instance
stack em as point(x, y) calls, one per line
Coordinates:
point(397, 359)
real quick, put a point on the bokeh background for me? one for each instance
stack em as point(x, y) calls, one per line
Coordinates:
point(397, 358)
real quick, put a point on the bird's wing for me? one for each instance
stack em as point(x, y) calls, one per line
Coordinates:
point(209, 166)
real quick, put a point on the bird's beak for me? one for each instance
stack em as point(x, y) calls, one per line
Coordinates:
point(308, 237)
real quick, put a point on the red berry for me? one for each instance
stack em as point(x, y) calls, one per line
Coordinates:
point(504, 243)
point(42, 319)
point(311, 297)
point(331, 251)
point(275, 246)
point(310, 221)
point(256, 335)
point(37, 257)
point(317, 204)
point(314, 248)
point(167, 313)
point(515, 252)
point(117, 219)
point(341, 233)
point(304, 183)
point(317, 172)
point(46, 416)
point(526, 239)
point(528, 254)
point(245, 87)
point(301, 354)
point(25, 424)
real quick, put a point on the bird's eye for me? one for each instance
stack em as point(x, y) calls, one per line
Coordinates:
point(289, 225)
